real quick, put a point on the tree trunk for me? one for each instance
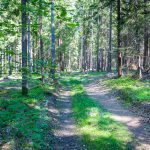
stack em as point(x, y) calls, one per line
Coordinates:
point(92, 47)
point(92, 44)
point(29, 46)
point(41, 40)
point(24, 49)
point(119, 38)
point(97, 43)
point(110, 40)
point(84, 52)
point(61, 59)
point(69, 62)
point(4, 65)
point(53, 39)
point(1, 63)
point(33, 56)
point(102, 59)
point(81, 53)
point(145, 37)
point(10, 64)
point(35, 53)
point(139, 68)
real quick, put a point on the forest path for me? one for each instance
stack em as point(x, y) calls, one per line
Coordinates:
point(102, 94)
point(64, 129)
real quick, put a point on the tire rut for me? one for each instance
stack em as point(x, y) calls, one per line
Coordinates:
point(65, 136)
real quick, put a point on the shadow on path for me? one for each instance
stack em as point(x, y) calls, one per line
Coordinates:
point(65, 136)
point(105, 97)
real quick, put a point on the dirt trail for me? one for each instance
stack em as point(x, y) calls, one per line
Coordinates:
point(106, 98)
point(65, 136)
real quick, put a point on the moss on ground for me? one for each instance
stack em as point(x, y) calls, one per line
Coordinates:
point(24, 121)
point(132, 90)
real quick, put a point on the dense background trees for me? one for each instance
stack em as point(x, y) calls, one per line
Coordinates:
point(90, 35)
point(120, 33)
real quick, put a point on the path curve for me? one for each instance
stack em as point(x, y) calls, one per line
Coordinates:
point(102, 94)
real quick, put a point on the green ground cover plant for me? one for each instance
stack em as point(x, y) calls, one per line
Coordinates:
point(24, 121)
point(132, 90)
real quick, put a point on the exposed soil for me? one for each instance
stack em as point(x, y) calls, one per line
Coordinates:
point(65, 135)
point(104, 95)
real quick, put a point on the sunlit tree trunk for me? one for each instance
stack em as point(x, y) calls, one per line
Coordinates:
point(29, 46)
point(1, 63)
point(33, 55)
point(81, 52)
point(36, 51)
point(97, 43)
point(92, 48)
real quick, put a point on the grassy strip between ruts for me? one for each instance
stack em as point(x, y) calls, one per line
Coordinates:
point(24, 121)
point(132, 90)
point(99, 131)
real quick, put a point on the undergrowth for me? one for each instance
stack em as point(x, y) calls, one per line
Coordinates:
point(132, 90)
point(24, 121)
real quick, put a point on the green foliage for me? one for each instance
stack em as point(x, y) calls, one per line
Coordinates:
point(132, 90)
point(25, 120)
point(72, 25)
point(99, 130)
point(63, 12)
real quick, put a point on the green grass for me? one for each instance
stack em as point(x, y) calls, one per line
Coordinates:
point(33, 81)
point(83, 77)
point(99, 130)
point(24, 121)
point(10, 82)
point(132, 90)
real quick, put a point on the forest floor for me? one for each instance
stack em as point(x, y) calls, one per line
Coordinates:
point(87, 93)
point(84, 114)
point(53, 110)
point(104, 95)
point(25, 122)
point(65, 136)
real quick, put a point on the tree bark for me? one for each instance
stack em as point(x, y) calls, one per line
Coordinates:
point(1, 63)
point(81, 53)
point(29, 46)
point(98, 48)
point(10, 64)
point(119, 38)
point(110, 40)
point(145, 37)
point(41, 40)
point(24, 49)
point(33, 56)
point(53, 39)
point(139, 68)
